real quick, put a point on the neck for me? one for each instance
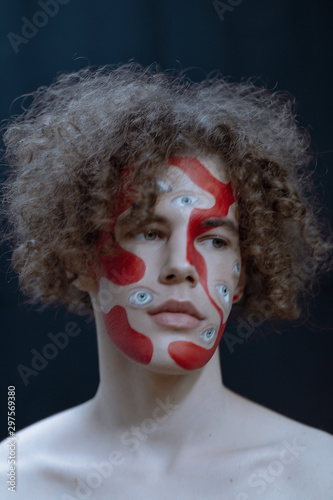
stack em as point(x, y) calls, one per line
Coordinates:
point(136, 401)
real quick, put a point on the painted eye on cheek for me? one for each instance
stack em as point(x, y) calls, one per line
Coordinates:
point(208, 335)
point(140, 298)
point(223, 291)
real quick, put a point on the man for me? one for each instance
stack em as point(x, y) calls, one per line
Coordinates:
point(160, 204)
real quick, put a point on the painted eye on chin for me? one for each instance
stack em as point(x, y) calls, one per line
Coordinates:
point(140, 298)
point(208, 335)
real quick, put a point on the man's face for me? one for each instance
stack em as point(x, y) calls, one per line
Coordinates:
point(167, 292)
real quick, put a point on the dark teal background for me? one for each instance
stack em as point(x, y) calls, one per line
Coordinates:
point(288, 44)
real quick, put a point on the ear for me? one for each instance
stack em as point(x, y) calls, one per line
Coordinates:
point(85, 283)
point(238, 294)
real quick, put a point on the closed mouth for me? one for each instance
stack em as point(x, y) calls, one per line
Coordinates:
point(178, 307)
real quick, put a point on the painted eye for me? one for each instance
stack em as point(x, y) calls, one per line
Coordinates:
point(163, 187)
point(208, 335)
point(185, 200)
point(223, 291)
point(140, 298)
point(237, 268)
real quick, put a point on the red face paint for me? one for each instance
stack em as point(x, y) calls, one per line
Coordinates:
point(133, 344)
point(123, 268)
point(187, 354)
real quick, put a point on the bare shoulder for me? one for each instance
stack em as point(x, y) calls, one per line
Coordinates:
point(316, 462)
point(301, 456)
point(43, 451)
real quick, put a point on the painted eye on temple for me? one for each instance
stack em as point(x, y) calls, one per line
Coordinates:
point(237, 268)
point(208, 335)
point(185, 200)
point(140, 298)
point(223, 291)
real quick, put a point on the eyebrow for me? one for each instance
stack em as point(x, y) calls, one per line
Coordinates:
point(122, 221)
point(216, 222)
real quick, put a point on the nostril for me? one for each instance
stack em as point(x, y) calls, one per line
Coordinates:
point(170, 277)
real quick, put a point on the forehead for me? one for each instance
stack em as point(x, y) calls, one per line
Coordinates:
point(203, 177)
point(184, 172)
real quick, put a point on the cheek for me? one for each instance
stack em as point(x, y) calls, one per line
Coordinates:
point(122, 267)
point(132, 344)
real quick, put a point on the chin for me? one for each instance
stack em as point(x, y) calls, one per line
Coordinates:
point(166, 369)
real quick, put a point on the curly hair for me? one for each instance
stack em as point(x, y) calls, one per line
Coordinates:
point(69, 149)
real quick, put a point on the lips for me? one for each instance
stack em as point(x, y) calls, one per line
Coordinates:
point(176, 314)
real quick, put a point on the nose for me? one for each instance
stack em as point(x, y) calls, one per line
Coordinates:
point(177, 269)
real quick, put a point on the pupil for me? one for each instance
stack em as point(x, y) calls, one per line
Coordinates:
point(186, 199)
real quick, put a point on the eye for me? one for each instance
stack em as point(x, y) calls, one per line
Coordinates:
point(224, 293)
point(218, 243)
point(149, 235)
point(140, 298)
point(214, 242)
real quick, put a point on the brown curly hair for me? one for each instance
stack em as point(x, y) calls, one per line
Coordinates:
point(69, 149)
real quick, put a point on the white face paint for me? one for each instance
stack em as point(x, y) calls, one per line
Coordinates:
point(176, 275)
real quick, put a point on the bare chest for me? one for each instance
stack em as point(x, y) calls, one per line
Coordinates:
point(235, 476)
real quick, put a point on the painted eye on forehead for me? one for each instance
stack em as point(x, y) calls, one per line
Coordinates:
point(185, 200)
point(163, 187)
point(140, 298)
point(224, 293)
